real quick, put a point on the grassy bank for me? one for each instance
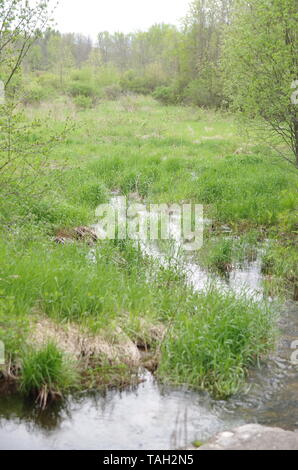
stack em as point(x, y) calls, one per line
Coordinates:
point(162, 154)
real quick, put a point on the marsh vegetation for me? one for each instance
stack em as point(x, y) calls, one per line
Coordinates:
point(87, 130)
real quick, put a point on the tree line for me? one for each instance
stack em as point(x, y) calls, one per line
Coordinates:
point(184, 60)
point(240, 55)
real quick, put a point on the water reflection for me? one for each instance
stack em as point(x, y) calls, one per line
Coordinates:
point(154, 417)
point(150, 416)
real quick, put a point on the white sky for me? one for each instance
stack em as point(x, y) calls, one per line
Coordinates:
point(92, 16)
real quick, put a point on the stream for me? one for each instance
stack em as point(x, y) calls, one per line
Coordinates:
point(156, 417)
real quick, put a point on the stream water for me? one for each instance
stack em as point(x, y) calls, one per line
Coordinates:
point(151, 416)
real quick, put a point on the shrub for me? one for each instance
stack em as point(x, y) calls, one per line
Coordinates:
point(166, 95)
point(35, 93)
point(105, 76)
point(198, 92)
point(49, 80)
point(81, 89)
point(83, 102)
point(136, 84)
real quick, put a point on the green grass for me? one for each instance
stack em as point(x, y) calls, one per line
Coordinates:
point(221, 252)
point(14, 328)
point(165, 154)
point(64, 283)
point(169, 154)
point(102, 375)
point(47, 369)
point(213, 347)
point(217, 254)
point(172, 154)
point(280, 265)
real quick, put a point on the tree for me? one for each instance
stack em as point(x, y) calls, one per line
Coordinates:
point(20, 25)
point(82, 49)
point(104, 44)
point(60, 57)
point(22, 157)
point(261, 66)
point(200, 51)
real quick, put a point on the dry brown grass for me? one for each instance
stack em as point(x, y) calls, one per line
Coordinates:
point(82, 345)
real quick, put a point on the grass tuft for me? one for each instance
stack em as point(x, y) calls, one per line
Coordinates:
point(46, 373)
point(213, 347)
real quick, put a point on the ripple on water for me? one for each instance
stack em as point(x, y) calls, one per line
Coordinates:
point(154, 417)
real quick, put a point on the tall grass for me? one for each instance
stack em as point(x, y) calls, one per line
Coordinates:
point(280, 265)
point(165, 154)
point(47, 373)
point(221, 253)
point(67, 283)
point(213, 347)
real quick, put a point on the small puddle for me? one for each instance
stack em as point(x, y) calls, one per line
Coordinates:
point(151, 416)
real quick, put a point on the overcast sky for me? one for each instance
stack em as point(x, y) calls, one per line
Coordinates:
point(91, 16)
